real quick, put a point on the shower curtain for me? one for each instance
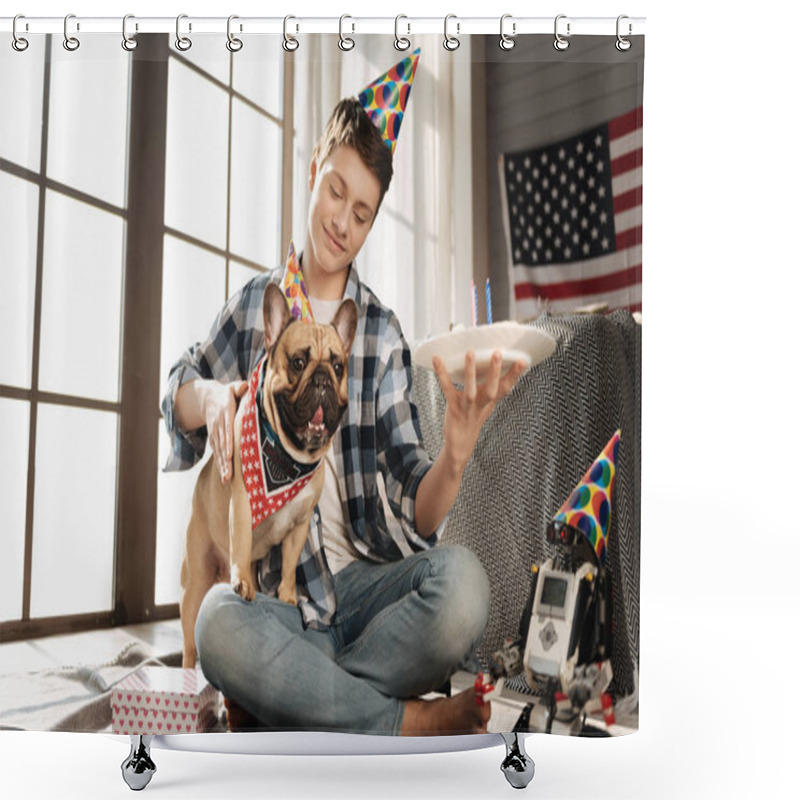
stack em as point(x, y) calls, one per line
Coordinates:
point(142, 189)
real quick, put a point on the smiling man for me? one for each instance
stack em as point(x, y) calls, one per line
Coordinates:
point(378, 623)
point(350, 172)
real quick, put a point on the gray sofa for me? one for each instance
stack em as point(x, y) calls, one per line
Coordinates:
point(534, 449)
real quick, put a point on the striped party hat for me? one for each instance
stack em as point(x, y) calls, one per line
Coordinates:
point(386, 97)
point(295, 288)
point(588, 508)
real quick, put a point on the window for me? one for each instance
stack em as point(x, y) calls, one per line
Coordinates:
point(135, 199)
point(63, 219)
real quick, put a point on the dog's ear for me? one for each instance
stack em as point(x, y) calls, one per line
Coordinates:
point(276, 314)
point(345, 321)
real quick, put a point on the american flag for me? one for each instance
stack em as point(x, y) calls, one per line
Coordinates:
point(573, 217)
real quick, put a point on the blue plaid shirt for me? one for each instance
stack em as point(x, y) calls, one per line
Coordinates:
point(380, 434)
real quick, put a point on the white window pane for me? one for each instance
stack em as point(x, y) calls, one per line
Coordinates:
point(193, 293)
point(302, 197)
point(74, 511)
point(19, 225)
point(21, 86)
point(89, 117)
point(14, 422)
point(196, 193)
point(239, 275)
point(255, 185)
point(175, 491)
point(81, 299)
point(258, 72)
point(207, 52)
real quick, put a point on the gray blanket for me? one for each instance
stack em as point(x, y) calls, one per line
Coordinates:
point(532, 452)
point(71, 698)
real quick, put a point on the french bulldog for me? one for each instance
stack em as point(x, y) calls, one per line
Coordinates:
point(296, 399)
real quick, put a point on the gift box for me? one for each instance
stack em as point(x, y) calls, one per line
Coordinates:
point(161, 700)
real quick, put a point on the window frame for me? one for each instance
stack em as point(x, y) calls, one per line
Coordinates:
point(133, 598)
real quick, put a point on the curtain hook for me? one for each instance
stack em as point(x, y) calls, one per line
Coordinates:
point(561, 43)
point(623, 44)
point(401, 42)
point(19, 43)
point(183, 43)
point(128, 42)
point(290, 43)
point(233, 44)
point(70, 42)
point(507, 42)
point(345, 42)
point(451, 42)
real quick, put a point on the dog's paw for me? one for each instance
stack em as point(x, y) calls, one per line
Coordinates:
point(244, 589)
point(287, 595)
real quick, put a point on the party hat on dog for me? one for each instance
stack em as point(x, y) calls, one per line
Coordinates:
point(386, 97)
point(295, 288)
point(588, 508)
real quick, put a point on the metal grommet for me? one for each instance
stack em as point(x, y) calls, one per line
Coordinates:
point(70, 42)
point(451, 42)
point(623, 44)
point(183, 43)
point(128, 42)
point(561, 43)
point(290, 43)
point(19, 43)
point(234, 44)
point(507, 42)
point(401, 42)
point(345, 42)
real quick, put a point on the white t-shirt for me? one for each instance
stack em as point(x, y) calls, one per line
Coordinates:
point(339, 549)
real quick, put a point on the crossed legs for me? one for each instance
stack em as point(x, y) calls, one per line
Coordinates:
point(401, 629)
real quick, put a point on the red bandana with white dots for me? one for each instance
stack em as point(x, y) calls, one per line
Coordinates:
point(272, 478)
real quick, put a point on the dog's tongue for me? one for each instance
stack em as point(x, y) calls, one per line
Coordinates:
point(318, 417)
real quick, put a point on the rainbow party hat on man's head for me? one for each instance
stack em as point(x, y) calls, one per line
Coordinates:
point(295, 288)
point(386, 97)
point(588, 508)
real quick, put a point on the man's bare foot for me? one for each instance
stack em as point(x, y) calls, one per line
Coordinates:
point(239, 719)
point(445, 715)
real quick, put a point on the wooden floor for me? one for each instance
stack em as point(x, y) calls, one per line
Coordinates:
point(90, 647)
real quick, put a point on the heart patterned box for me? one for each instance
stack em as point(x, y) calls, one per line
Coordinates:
point(163, 700)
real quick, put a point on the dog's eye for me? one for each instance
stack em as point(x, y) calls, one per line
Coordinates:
point(298, 364)
point(338, 369)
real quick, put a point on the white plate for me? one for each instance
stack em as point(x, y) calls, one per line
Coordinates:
point(513, 340)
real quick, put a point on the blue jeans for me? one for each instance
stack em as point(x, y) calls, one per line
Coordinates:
point(400, 630)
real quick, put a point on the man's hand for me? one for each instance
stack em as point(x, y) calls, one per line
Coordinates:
point(469, 408)
point(219, 404)
point(464, 415)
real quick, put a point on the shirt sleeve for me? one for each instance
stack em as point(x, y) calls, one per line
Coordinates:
point(225, 356)
point(401, 456)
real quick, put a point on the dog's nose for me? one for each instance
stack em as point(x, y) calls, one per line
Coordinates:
point(321, 378)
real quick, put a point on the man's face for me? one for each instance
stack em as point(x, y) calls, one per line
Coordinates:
point(344, 200)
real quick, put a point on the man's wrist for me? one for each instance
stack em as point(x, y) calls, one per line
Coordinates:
point(194, 402)
point(452, 464)
point(201, 389)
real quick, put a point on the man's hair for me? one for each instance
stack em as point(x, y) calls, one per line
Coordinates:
point(350, 124)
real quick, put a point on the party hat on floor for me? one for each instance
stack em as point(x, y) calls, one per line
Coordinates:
point(295, 289)
point(588, 508)
point(386, 97)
